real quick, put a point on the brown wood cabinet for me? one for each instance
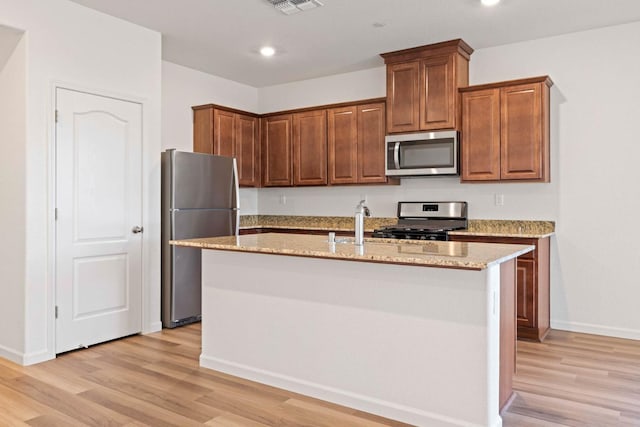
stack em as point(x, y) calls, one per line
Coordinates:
point(276, 151)
point(422, 86)
point(356, 144)
point(247, 146)
point(532, 290)
point(505, 131)
point(332, 144)
point(310, 148)
point(228, 132)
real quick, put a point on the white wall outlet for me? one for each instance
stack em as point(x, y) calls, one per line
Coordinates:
point(499, 199)
point(283, 199)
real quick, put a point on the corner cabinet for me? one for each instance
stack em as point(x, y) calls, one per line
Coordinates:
point(532, 284)
point(231, 133)
point(356, 144)
point(422, 86)
point(505, 131)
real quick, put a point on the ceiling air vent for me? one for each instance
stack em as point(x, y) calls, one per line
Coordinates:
point(289, 7)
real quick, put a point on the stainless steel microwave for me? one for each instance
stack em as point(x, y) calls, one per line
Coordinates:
point(422, 154)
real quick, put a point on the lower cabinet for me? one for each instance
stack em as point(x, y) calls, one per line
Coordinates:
point(532, 287)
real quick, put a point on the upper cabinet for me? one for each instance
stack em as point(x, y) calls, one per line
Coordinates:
point(310, 148)
point(226, 132)
point(276, 151)
point(334, 145)
point(247, 149)
point(356, 144)
point(422, 86)
point(505, 131)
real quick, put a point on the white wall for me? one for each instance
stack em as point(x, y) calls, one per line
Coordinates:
point(13, 194)
point(183, 88)
point(594, 171)
point(354, 86)
point(82, 48)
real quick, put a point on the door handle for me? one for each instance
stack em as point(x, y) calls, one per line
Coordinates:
point(137, 229)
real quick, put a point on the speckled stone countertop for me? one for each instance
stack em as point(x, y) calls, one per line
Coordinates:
point(477, 227)
point(508, 228)
point(459, 255)
point(328, 223)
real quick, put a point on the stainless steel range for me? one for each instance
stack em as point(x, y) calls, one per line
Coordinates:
point(426, 221)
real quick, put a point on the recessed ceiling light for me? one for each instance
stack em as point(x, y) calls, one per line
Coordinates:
point(490, 2)
point(267, 51)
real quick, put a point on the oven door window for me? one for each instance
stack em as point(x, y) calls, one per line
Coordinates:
point(423, 155)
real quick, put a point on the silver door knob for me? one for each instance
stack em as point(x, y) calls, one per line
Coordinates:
point(137, 229)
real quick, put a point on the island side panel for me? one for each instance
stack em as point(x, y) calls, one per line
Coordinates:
point(416, 344)
point(508, 328)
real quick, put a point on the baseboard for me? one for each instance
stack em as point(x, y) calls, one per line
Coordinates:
point(341, 397)
point(588, 328)
point(153, 327)
point(37, 357)
point(11, 354)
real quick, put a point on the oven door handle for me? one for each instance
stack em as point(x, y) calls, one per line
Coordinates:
point(396, 155)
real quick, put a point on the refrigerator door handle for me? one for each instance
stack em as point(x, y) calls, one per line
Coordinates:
point(236, 190)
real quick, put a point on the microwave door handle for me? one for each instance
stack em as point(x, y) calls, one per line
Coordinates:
point(396, 155)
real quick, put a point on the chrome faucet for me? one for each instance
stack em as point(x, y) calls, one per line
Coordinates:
point(361, 212)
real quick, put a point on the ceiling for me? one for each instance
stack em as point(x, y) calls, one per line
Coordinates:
point(222, 37)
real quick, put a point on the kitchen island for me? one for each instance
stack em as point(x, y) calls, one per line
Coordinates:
point(422, 332)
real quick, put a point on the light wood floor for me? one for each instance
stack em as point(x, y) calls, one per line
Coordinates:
point(570, 380)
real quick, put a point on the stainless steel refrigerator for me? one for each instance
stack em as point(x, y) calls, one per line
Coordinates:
point(199, 199)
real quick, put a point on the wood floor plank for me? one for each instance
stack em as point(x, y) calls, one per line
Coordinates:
point(177, 403)
point(231, 420)
point(54, 420)
point(149, 414)
point(7, 418)
point(330, 417)
point(65, 402)
point(565, 413)
point(149, 378)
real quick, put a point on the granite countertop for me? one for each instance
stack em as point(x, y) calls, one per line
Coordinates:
point(459, 255)
point(477, 227)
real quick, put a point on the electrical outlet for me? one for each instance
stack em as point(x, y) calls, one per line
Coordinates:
point(283, 199)
point(499, 199)
point(363, 197)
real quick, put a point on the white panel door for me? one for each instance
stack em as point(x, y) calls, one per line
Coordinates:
point(99, 205)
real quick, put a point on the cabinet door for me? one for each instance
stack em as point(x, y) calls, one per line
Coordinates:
point(247, 149)
point(203, 130)
point(342, 138)
point(276, 151)
point(526, 293)
point(521, 132)
point(480, 136)
point(310, 148)
point(223, 132)
point(371, 149)
point(437, 93)
point(403, 97)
